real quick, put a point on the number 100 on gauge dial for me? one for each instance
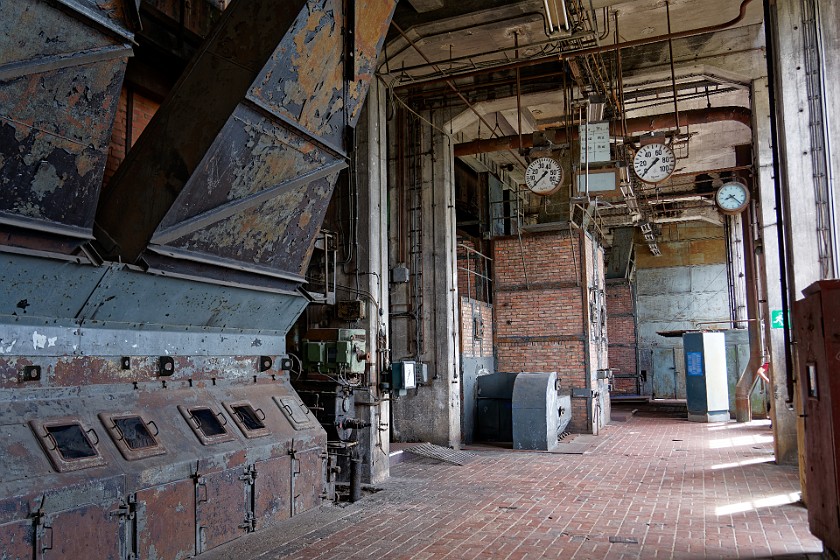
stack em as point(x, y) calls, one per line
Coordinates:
point(544, 176)
point(654, 163)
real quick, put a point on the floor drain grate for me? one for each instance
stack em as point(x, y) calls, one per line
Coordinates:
point(624, 540)
point(441, 453)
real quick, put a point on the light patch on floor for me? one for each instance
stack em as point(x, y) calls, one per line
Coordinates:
point(771, 501)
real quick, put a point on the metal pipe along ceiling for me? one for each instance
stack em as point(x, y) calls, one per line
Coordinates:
point(443, 76)
point(637, 125)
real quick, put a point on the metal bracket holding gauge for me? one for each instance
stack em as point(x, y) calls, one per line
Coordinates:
point(732, 197)
point(544, 176)
point(654, 163)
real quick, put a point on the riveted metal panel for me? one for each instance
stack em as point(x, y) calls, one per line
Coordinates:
point(241, 179)
point(61, 68)
point(179, 136)
point(308, 479)
point(272, 489)
point(304, 81)
point(221, 509)
point(92, 531)
point(166, 521)
point(17, 540)
point(21, 456)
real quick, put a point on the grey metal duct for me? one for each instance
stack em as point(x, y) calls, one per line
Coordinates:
point(61, 68)
point(233, 175)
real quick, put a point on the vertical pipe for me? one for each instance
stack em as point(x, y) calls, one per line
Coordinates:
point(673, 73)
point(518, 93)
point(355, 478)
point(772, 56)
point(748, 378)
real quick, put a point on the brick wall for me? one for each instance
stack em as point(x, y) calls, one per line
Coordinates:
point(621, 321)
point(541, 310)
point(475, 313)
point(143, 108)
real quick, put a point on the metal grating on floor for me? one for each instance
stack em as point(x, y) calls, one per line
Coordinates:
point(439, 453)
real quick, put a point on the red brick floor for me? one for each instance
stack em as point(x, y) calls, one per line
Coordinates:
point(679, 490)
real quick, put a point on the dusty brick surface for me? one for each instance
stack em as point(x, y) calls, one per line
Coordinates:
point(682, 490)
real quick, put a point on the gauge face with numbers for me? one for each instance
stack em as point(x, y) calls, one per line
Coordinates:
point(654, 163)
point(732, 198)
point(544, 176)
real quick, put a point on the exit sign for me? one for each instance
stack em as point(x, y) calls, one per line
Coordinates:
point(777, 319)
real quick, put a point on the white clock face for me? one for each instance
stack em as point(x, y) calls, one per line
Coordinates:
point(732, 197)
point(544, 176)
point(654, 163)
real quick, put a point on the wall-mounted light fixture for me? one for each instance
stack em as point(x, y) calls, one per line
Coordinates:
point(556, 16)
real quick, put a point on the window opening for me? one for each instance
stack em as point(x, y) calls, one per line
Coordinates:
point(68, 445)
point(71, 442)
point(207, 424)
point(135, 432)
point(249, 417)
point(207, 421)
point(135, 436)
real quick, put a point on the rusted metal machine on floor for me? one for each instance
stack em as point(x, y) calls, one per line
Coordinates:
point(145, 400)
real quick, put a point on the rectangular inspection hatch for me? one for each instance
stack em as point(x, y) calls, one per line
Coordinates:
point(206, 423)
point(249, 419)
point(134, 436)
point(295, 412)
point(68, 444)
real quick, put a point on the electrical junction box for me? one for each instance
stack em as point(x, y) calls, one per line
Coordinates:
point(353, 310)
point(335, 350)
point(403, 377)
point(399, 274)
point(421, 373)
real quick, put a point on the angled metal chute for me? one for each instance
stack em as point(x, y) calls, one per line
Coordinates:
point(231, 179)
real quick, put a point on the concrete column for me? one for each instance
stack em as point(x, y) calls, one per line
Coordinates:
point(769, 270)
point(810, 231)
point(372, 262)
point(432, 412)
point(829, 15)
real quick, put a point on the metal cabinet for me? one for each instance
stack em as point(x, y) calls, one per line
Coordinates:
point(818, 332)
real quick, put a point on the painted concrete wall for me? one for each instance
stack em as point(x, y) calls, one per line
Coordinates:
point(430, 299)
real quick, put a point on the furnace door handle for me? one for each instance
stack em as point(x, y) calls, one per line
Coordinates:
point(94, 434)
point(152, 423)
point(260, 414)
point(44, 547)
point(206, 498)
point(48, 436)
point(222, 418)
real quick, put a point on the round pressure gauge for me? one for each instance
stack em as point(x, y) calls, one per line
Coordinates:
point(732, 197)
point(544, 176)
point(654, 163)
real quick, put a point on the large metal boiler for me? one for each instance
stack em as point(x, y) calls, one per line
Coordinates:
point(146, 408)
